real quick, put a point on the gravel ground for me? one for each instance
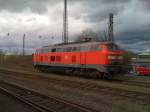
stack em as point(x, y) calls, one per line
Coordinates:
point(9, 104)
point(100, 101)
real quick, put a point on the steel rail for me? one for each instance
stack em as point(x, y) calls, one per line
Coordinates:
point(41, 102)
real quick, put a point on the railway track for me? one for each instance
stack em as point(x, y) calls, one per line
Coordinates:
point(117, 81)
point(132, 83)
point(40, 102)
point(88, 86)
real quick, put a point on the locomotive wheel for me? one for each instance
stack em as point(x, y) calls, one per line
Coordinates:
point(35, 69)
point(67, 71)
point(96, 74)
point(108, 76)
point(88, 73)
point(75, 72)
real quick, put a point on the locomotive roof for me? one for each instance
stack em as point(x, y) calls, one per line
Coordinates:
point(73, 44)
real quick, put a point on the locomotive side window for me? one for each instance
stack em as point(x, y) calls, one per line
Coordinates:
point(44, 50)
point(78, 49)
point(54, 50)
point(112, 47)
point(84, 48)
point(74, 49)
point(49, 50)
point(59, 50)
point(95, 47)
point(52, 58)
point(68, 49)
point(39, 50)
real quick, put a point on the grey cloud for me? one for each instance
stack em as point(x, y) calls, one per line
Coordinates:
point(98, 10)
point(115, 1)
point(141, 34)
point(31, 19)
point(145, 4)
point(101, 14)
point(38, 6)
point(136, 40)
point(92, 12)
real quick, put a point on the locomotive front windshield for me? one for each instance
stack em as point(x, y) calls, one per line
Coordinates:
point(113, 47)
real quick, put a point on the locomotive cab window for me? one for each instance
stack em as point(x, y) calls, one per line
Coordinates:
point(75, 49)
point(84, 48)
point(112, 47)
point(54, 50)
point(37, 51)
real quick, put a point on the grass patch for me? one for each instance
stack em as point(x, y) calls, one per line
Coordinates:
point(17, 62)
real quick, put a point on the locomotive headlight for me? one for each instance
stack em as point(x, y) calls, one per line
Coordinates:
point(111, 57)
point(120, 57)
point(115, 57)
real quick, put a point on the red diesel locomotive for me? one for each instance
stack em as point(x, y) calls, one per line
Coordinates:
point(103, 59)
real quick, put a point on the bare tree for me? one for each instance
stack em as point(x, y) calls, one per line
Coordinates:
point(1, 56)
point(87, 35)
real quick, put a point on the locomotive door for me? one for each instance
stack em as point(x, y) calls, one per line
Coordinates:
point(83, 58)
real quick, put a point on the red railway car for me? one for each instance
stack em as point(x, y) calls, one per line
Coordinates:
point(142, 68)
point(94, 58)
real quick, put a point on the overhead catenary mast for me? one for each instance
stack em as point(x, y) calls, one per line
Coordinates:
point(23, 45)
point(65, 23)
point(111, 28)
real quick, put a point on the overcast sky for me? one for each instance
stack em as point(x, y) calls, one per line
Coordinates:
point(41, 21)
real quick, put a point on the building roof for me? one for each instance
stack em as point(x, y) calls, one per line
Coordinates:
point(141, 60)
point(144, 53)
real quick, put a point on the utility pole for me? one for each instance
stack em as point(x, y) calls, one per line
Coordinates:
point(65, 23)
point(23, 45)
point(111, 28)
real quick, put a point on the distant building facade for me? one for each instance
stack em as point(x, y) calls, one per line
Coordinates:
point(142, 58)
